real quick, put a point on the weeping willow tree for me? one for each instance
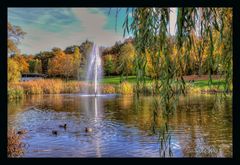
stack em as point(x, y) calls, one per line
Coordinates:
point(150, 28)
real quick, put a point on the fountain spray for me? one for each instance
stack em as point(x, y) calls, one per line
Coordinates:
point(94, 69)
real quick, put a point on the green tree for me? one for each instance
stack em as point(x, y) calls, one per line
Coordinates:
point(86, 48)
point(109, 64)
point(35, 66)
point(45, 57)
point(76, 63)
point(126, 59)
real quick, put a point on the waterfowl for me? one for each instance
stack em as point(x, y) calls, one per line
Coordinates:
point(63, 126)
point(54, 132)
point(88, 129)
point(20, 132)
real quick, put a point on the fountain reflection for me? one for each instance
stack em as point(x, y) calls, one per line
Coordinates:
point(93, 107)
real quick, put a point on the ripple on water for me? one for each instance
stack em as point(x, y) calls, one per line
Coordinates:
point(115, 132)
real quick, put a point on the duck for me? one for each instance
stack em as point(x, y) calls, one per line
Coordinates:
point(54, 132)
point(63, 126)
point(21, 132)
point(88, 129)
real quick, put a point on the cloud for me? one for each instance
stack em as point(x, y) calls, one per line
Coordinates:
point(61, 27)
point(93, 24)
point(49, 19)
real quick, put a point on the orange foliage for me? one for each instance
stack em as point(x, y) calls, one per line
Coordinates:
point(61, 65)
point(22, 62)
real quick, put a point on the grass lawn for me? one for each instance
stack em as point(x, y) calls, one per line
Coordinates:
point(132, 79)
point(204, 83)
point(116, 79)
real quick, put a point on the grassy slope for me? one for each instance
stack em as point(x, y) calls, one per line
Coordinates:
point(116, 79)
point(204, 83)
point(132, 79)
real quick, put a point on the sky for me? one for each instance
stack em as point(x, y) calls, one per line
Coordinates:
point(62, 27)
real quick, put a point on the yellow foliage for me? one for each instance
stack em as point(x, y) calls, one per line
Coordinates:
point(126, 88)
point(14, 69)
point(126, 59)
point(22, 62)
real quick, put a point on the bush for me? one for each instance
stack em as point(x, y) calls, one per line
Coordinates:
point(125, 88)
point(15, 92)
point(108, 89)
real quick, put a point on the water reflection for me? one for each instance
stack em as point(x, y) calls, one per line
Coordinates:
point(122, 126)
point(95, 104)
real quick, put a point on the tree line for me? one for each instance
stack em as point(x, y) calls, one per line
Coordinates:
point(195, 54)
point(69, 63)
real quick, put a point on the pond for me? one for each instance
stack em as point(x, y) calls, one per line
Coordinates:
point(121, 126)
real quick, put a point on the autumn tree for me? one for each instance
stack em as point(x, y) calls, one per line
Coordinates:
point(16, 64)
point(55, 63)
point(61, 65)
point(22, 63)
point(15, 34)
point(14, 71)
point(68, 66)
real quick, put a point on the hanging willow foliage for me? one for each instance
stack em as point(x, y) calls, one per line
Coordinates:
point(150, 28)
point(151, 34)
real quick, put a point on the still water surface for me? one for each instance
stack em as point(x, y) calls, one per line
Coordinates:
point(121, 126)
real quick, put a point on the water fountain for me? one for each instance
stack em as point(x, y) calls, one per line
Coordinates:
point(94, 74)
point(94, 71)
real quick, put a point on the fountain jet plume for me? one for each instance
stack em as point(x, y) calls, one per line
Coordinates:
point(94, 70)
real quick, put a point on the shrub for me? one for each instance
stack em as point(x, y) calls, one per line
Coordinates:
point(15, 92)
point(125, 88)
point(15, 148)
point(108, 89)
